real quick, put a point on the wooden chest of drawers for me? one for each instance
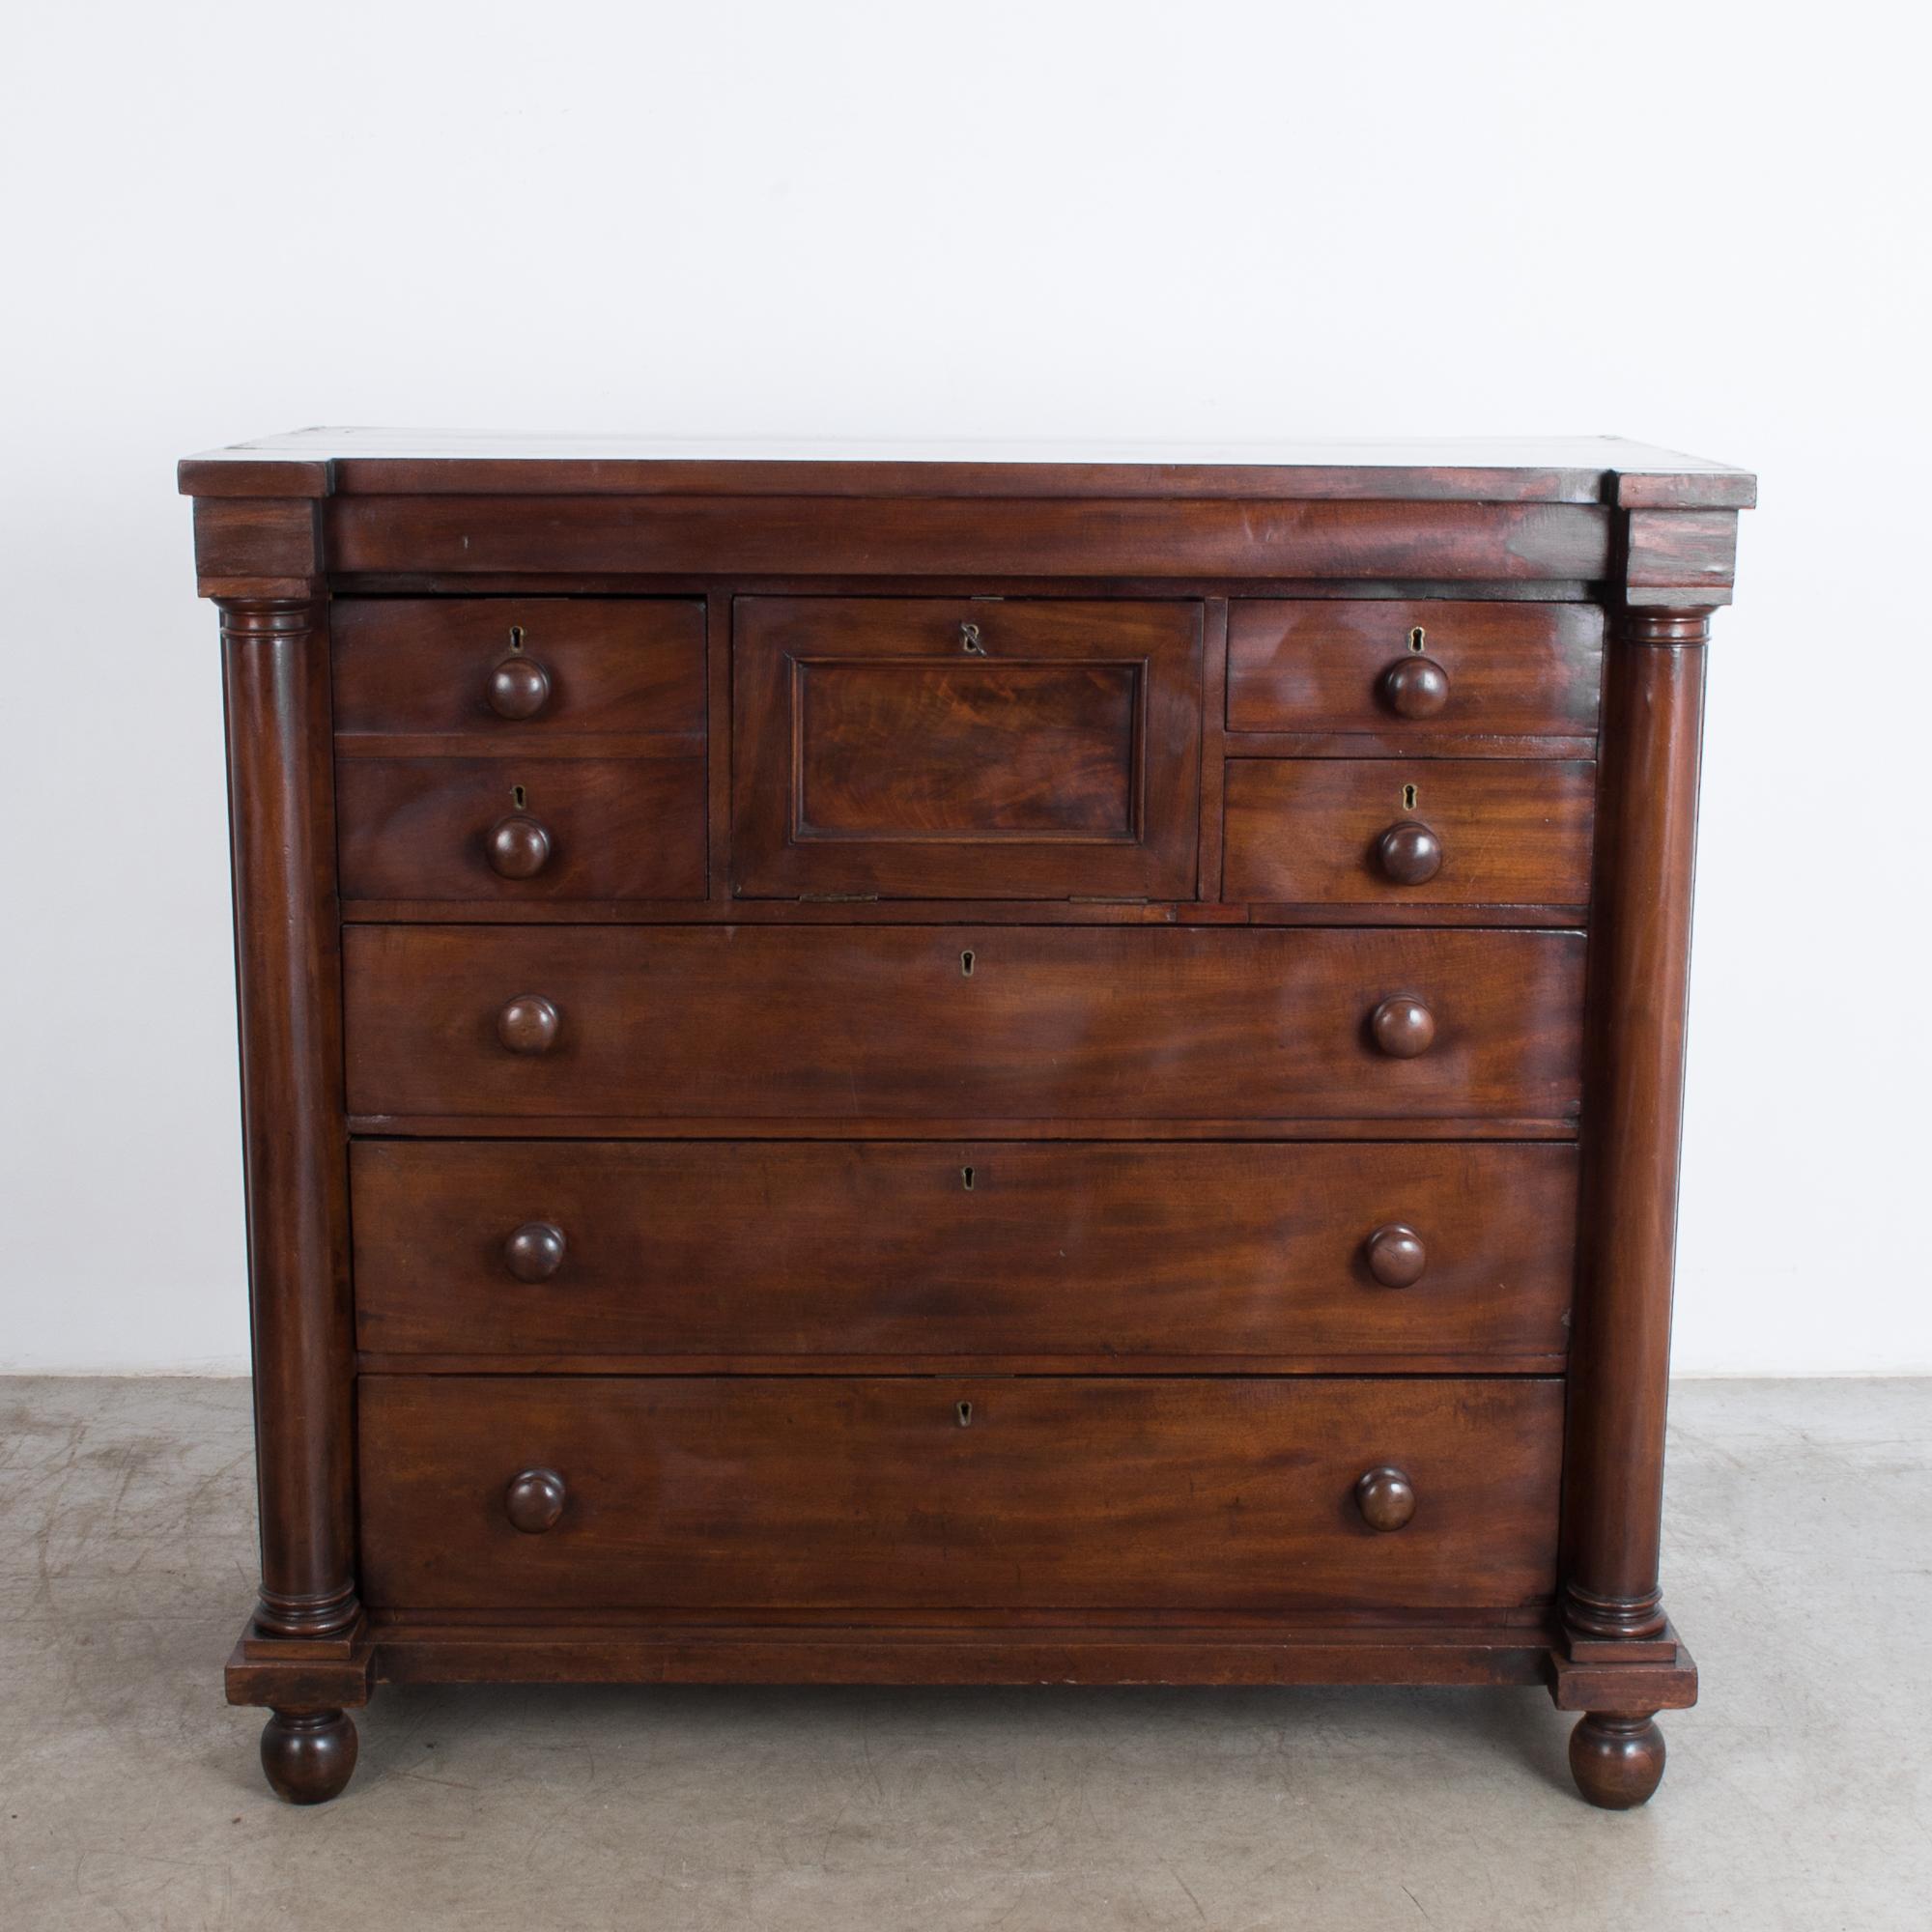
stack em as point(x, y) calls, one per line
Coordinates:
point(961, 1070)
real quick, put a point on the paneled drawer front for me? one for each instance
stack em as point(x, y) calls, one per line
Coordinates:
point(940, 1492)
point(582, 829)
point(1408, 1253)
point(1342, 666)
point(518, 671)
point(1424, 832)
point(975, 747)
point(963, 1023)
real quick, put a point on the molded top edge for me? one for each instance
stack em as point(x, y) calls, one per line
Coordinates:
point(314, 462)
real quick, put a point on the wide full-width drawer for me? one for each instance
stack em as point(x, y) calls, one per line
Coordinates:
point(1409, 830)
point(941, 1492)
point(986, 748)
point(518, 827)
point(518, 671)
point(1414, 671)
point(997, 1023)
point(1403, 1254)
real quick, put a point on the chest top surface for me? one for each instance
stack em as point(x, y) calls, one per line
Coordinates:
point(1531, 469)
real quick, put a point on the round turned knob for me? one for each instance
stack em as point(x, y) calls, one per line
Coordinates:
point(1415, 687)
point(519, 687)
point(529, 1024)
point(535, 1251)
point(1402, 1026)
point(1396, 1256)
point(1385, 1498)
point(1409, 853)
point(535, 1501)
point(519, 846)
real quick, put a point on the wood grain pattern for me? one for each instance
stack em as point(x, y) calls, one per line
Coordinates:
point(1297, 1651)
point(1058, 1023)
point(457, 537)
point(1639, 994)
point(288, 981)
point(1098, 1253)
point(1486, 469)
point(258, 550)
point(617, 828)
point(420, 666)
point(1316, 666)
point(870, 1494)
point(1309, 831)
point(939, 748)
point(836, 1197)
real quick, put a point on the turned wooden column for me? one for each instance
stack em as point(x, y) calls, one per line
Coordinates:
point(287, 960)
point(1639, 960)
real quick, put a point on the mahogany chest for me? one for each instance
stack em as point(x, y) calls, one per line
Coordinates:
point(940, 1069)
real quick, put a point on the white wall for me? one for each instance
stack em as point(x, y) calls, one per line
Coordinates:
point(1683, 222)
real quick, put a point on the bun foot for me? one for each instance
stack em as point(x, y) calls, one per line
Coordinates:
point(1617, 1762)
point(308, 1755)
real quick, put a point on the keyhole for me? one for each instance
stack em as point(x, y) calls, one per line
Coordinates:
point(518, 798)
point(1417, 638)
point(966, 1179)
point(516, 636)
point(966, 964)
point(964, 1411)
point(969, 640)
point(1409, 798)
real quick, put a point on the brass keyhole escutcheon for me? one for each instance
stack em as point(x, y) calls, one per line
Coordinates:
point(966, 1179)
point(519, 797)
point(969, 640)
point(964, 1411)
point(516, 637)
point(1409, 798)
point(1418, 639)
point(966, 964)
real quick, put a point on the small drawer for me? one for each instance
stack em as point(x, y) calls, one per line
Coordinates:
point(1414, 671)
point(1408, 1255)
point(512, 828)
point(789, 1025)
point(517, 670)
point(1409, 832)
point(965, 748)
point(943, 1492)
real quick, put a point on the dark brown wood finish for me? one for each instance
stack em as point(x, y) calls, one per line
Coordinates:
point(725, 536)
point(287, 969)
point(411, 666)
point(1014, 1110)
point(1639, 985)
point(1419, 668)
point(274, 655)
point(884, 1494)
point(966, 1023)
point(1396, 830)
point(968, 748)
point(1609, 470)
point(521, 827)
point(1099, 1255)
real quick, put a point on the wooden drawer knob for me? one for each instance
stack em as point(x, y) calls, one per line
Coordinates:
point(529, 1024)
point(1415, 687)
point(1402, 1026)
point(535, 1251)
point(1385, 1498)
point(519, 846)
point(535, 1501)
point(519, 687)
point(1409, 854)
point(1396, 1256)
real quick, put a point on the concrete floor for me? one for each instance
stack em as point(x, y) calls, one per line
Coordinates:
point(1799, 1567)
